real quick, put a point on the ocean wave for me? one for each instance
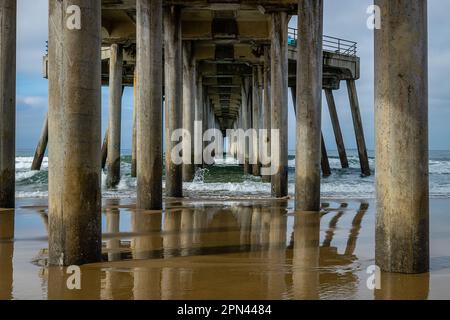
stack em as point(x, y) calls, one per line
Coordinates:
point(226, 180)
point(24, 163)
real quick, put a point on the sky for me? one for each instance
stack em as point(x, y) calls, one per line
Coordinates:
point(342, 18)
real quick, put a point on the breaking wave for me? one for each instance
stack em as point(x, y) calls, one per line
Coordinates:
point(225, 180)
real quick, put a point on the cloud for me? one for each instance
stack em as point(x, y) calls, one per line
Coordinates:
point(32, 33)
point(343, 18)
point(35, 102)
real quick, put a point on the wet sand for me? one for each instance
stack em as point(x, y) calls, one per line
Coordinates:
point(231, 249)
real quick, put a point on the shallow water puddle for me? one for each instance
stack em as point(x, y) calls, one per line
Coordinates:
point(237, 249)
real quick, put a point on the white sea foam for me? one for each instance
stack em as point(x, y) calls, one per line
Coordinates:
point(230, 161)
point(342, 184)
point(24, 163)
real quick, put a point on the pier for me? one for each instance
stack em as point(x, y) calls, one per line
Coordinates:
point(221, 65)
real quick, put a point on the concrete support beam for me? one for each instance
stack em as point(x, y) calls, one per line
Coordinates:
point(189, 94)
point(309, 105)
point(8, 13)
point(336, 128)
point(279, 100)
point(173, 64)
point(149, 104)
point(75, 135)
point(105, 148)
point(267, 106)
point(41, 147)
point(115, 115)
point(401, 122)
point(134, 135)
point(256, 115)
point(324, 162)
point(359, 131)
point(246, 123)
point(199, 117)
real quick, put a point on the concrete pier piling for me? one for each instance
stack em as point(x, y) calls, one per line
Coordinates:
point(115, 115)
point(134, 127)
point(8, 13)
point(267, 106)
point(246, 122)
point(279, 100)
point(199, 119)
point(336, 128)
point(41, 147)
point(75, 136)
point(309, 105)
point(105, 148)
point(324, 161)
point(189, 94)
point(230, 68)
point(256, 115)
point(149, 66)
point(401, 121)
point(173, 66)
point(358, 126)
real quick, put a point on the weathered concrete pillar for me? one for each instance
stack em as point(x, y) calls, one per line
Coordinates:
point(401, 122)
point(134, 135)
point(336, 128)
point(105, 148)
point(173, 64)
point(115, 115)
point(8, 13)
point(75, 134)
point(256, 116)
point(279, 100)
point(199, 118)
point(309, 105)
point(246, 122)
point(324, 161)
point(189, 94)
point(41, 147)
point(359, 131)
point(149, 104)
point(267, 107)
point(237, 146)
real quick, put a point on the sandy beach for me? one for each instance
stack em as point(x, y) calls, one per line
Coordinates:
point(231, 249)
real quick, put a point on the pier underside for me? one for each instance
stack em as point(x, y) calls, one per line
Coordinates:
point(226, 65)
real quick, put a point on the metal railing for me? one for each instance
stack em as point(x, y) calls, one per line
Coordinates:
point(330, 44)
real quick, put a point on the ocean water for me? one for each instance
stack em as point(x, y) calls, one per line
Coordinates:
point(226, 180)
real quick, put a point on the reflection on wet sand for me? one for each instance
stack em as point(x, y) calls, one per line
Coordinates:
point(6, 254)
point(232, 250)
point(240, 251)
point(306, 255)
point(403, 287)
